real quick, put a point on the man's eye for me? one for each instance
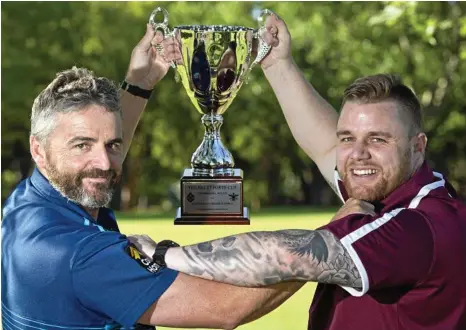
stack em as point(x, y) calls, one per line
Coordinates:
point(377, 140)
point(115, 146)
point(346, 139)
point(81, 146)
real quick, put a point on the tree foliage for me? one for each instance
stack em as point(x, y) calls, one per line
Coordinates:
point(333, 43)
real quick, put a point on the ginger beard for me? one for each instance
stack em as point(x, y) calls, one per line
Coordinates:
point(373, 187)
point(72, 186)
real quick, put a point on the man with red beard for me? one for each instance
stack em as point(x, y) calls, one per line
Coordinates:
point(64, 262)
point(394, 256)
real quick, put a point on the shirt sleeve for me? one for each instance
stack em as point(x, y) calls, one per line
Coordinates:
point(393, 250)
point(110, 280)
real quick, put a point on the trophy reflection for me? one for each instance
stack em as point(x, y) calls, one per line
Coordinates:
point(216, 61)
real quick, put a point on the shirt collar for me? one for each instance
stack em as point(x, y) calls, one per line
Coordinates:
point(402, 195)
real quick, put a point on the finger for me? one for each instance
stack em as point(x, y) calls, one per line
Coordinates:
point(162, 45)
point(172, 55)
point(145, 42)
point(158, 37)
point(367, 205)
point(365, 211)
point(270, 39)
point(275, 21)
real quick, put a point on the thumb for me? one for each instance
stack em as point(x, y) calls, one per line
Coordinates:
point(274, 21)
point(144, 43)
point(368, 205)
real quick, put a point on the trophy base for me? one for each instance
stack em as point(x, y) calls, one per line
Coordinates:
point(212, 199)
point(212, 219)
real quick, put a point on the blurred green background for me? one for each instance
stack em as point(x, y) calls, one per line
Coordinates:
point(333, 43)
point(293, 314)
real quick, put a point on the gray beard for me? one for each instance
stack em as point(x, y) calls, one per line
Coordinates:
point(70, 186)
point(81, 197)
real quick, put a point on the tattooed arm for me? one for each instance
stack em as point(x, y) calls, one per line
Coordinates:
point(263, 258)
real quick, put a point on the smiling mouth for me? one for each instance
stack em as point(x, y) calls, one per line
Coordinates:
point(363, 173)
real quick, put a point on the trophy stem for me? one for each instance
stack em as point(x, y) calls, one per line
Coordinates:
point(212, 158)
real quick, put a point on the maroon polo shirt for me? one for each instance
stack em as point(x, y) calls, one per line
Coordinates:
point(412, 260)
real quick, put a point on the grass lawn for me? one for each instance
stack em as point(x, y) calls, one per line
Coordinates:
point(292, 314)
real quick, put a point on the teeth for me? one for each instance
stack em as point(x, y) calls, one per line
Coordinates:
point(364, 172)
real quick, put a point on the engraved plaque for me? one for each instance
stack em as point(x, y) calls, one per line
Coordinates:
point(213, 197)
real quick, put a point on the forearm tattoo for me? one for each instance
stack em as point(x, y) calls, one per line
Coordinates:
point(264, 258)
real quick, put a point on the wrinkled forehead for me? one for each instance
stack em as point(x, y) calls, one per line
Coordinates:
point(372, 117)
point(94, 120)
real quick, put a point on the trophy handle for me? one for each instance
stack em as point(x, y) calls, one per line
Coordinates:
point(263, 48)
point(161, 26)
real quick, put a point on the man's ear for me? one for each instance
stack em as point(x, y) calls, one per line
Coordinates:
point(420, 143)
point(37, 151)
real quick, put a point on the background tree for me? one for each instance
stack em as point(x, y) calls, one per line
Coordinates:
point(333, 43)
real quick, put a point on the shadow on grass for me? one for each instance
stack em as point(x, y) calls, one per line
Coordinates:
point(264, 212)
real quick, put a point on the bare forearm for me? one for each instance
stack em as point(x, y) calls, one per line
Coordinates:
point(274, 296)
point(312, 120)
point(265, 258)
point(196, 303)
point(132, 108)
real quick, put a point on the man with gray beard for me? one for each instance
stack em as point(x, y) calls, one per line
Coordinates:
point(64, 262)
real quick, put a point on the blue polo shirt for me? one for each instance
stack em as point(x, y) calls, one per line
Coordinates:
point(63, 270)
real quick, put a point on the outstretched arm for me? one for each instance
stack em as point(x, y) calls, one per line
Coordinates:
point(263, 258)
point(193, 303)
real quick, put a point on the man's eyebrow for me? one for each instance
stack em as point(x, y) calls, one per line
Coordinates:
point(81, 139)
point(346, 132)
point(374, 133)
point(380, 133)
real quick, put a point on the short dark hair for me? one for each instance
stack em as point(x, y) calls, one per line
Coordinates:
point(71, 90)
point(384, 87)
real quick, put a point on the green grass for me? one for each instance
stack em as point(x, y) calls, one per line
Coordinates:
point(293, 314)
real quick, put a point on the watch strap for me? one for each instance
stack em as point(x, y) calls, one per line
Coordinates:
point(136, 91)
point(160, 251)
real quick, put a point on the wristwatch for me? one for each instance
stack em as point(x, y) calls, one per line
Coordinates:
point(136, 91)
point(161, 250)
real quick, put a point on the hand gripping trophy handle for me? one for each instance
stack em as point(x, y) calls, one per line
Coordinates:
point(262, 51)
point(263, 48)
point(161, 26)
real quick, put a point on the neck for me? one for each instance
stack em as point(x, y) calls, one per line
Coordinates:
point(93, 212)
point(417, 165)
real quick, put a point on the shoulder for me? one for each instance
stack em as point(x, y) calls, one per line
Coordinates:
point(33, 214)
point(406, 222)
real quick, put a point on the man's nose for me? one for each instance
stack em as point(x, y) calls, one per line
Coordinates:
point(102, 159)
point(360, 151)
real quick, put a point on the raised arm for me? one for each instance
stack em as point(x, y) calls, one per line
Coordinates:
point(146, 69)
point(312, 120)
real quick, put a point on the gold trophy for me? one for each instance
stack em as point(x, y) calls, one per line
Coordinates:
point(216, 60)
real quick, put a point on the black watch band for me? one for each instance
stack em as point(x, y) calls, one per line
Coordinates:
point(136, 91)
point(161, 250)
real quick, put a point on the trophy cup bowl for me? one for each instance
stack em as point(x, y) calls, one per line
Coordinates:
point(216, 61)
